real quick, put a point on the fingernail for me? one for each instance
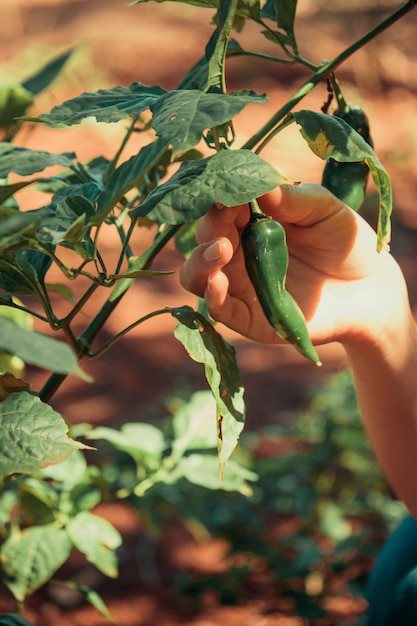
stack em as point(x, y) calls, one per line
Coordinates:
point(213, 252)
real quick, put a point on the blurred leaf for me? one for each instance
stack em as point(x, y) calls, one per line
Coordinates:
point(69, 472)
point(202, 469)
point(29, 558)
point(90, 595)
point(46, 75)
point(332, 521)
point(38, 349)
point(193, 424)
point(185, 239)
point(14, 100)
point(6, 191)
point(97, 539)
point(140, 441)
point(14, 619)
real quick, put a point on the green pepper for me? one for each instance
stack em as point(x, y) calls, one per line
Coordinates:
point(266, 260)
point(348, 180)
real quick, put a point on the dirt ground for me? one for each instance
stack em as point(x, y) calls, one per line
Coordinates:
point(155, 44)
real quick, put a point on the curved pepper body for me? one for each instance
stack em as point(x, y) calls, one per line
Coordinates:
point(347, 181)
point(266, 259)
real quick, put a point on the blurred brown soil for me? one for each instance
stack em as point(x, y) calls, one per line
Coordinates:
point(155, 44)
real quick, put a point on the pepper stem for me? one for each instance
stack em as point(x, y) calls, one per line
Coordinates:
point(255, 211)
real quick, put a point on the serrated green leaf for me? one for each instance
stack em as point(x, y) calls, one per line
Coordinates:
point(105, 105)
point(205, 345)
point(25, 161)
point(38, 349)
point(181, 116)
point(33, 435)
point(231, 177)
point(331, 137)
point(31, 557)
point(97, 539)
point(46, 75)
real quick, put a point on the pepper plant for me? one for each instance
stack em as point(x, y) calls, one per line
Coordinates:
point(187, 155)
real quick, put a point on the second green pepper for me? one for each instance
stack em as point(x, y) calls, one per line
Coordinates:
point(348, 180)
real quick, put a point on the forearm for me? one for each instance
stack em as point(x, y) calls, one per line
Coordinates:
point(385, 373)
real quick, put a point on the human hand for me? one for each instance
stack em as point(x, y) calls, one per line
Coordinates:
point(342, 284)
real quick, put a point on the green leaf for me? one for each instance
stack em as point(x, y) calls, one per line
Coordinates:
point(14, 100)
point(38, 500)
point(14, 619)
point(46, 75)
point(205, 345)
point(231, 177)
point(29, 558)
point(9, 500)
point(185, 239)
point(105, 105)
point(194, 424)
point(130, 174)
point(38, 349)
point(25, 161)
point(331, 137)
point(97, 539)
point(6, 191)
point(69, 472)
point(141, 441)
point(33, 435)
point(180, 117)
point(202, 470)
point(283, 13)
point(332, 521)
point(217, 47)
point(206, 4)
point(91, 596)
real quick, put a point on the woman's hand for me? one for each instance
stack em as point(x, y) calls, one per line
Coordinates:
point(342, 284)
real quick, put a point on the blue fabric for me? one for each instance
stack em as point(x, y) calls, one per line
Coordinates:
point(392, 591)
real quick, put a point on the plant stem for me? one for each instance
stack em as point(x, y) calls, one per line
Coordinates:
point(85, 340)
point(115, 339)
point(321, 73)
point(113, 163)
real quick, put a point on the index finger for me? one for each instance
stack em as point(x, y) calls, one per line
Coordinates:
point(222, 221)
point(301, 205)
